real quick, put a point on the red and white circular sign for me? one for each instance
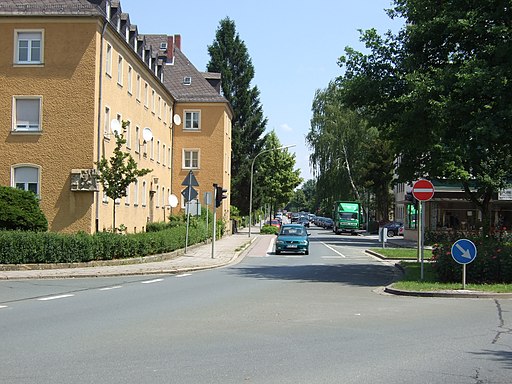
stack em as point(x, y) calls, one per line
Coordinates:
point(423, 190)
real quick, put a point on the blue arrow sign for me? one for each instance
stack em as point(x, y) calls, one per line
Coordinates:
point(464, 251)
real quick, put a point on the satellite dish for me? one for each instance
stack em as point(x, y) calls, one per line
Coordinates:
point(115, 127)
point(173, 201)
point(147, 135)
point(177, 119)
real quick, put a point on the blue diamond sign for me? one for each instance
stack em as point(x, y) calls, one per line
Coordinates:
point(464, 251)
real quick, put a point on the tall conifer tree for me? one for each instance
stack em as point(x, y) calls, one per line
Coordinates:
point(229, 57)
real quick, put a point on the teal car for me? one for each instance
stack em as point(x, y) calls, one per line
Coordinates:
point(292, 238)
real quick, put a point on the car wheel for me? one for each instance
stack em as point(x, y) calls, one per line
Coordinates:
point(278, 252)
point(306, 252)
point(391, 233)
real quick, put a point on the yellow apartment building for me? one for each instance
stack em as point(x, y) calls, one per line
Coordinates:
point(68, 71)
point(202, 137)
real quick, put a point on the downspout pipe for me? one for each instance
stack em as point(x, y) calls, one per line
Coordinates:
point(100, 102)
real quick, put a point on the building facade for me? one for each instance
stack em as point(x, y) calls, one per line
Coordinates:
point(71, 73)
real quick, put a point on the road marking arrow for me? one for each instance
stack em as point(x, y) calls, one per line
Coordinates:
point(465, 252)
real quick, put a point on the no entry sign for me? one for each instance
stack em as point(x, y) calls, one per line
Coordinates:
point(423, 190)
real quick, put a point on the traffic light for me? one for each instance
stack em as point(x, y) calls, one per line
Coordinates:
point(220, 194)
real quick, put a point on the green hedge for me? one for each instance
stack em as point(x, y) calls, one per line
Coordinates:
point(493, 263)
point(17, 247)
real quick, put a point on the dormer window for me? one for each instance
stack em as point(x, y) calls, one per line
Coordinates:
point(163, 46)
point(187, 80)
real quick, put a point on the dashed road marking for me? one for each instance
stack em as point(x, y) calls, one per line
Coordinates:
point(55, 297)
point(110, 288)
point(152, 281)
point(270, 247)
point(3, 306)
point(184, 275)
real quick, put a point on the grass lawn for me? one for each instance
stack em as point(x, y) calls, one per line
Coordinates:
point(402, 253)
point(411, 280)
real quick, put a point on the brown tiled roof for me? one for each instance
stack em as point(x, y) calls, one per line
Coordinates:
point(199, 90)
point(52, 7)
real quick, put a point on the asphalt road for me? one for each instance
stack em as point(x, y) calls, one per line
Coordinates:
point(320, 318)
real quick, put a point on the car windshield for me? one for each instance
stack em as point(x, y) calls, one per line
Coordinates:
point(293, 231)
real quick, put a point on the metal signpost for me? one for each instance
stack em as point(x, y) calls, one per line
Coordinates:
point(422, 190)
point(464, 252)
point(189, 193)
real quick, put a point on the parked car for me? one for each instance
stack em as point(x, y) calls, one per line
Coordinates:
point(292, 238)
point(275, 223)
point(303, 220)
point(394, 228)
point(328, 223)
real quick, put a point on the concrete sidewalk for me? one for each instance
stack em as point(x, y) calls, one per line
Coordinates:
point(227, 250)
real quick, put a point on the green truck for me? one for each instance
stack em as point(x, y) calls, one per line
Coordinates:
point(347, 217)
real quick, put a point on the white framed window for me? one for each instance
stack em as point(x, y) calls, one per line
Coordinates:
point(127, 197)
point(128, 134)
point(137, 139)
point(190, 159)
point(146, 94)
point(29, 46)
point(26, 177)
point(192, 120)
point(152, 149)
point(159, 106)
point(157, 197)
point(106, 124)
point(120, 70)
point(144, 192)
point(153, 104)
point(137, 88)
point(162, 196)
point(165, 113)
point(129, 80)
point(158, 151)
point(26, 113)
point(164, 153)
point(136, 193)
point(108, 60)
point(169, 158)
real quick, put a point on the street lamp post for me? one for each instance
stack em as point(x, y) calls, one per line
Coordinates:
point(252, 174)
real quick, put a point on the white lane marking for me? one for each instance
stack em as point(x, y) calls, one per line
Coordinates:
point(270, 247)
point(3, 306)
point(335, 251)
point(152, 281)
point(184, 275)
point(110, 288)
point(55, 297)
point(294, 256)
point(332, 257)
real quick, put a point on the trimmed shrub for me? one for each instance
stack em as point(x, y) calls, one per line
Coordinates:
point(19, 210)
point(493, 263)
point(269, 230)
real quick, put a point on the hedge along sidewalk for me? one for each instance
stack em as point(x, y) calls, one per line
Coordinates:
point(228, 249)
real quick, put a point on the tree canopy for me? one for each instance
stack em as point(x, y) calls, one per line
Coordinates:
point(230, 58)
point(441, 90)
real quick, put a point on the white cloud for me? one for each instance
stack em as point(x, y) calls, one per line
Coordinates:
point(285, 127)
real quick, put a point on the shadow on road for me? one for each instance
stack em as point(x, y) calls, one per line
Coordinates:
point(365, 275)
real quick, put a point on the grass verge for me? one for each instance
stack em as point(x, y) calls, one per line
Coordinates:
point(401, 253)
point(411, 281)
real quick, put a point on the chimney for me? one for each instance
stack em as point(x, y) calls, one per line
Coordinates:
point(177, 41)
point(170, 49)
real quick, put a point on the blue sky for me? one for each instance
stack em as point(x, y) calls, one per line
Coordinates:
point(294, 47)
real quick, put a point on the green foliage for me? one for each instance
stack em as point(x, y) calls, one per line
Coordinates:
point(269, 230)
point(230, 58)
point(439, 90)
point(19, 210)
point(493, 263)
point(18, 247)
point(119, 171)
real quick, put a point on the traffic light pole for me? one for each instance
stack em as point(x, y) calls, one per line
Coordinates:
point(214, 206)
